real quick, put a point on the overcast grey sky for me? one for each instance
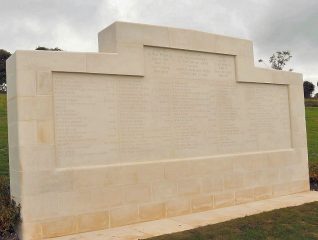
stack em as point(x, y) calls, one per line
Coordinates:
point(73, 24)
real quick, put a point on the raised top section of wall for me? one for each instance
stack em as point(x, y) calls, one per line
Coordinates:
point(119, 34)
point(121, 52)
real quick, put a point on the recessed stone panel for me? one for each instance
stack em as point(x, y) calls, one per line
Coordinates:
point(188, 104)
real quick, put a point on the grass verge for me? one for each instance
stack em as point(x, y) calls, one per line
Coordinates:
point(312, 133)
point(289, 223)
point(4, 156)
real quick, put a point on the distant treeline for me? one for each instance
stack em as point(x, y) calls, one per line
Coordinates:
point(311, 102)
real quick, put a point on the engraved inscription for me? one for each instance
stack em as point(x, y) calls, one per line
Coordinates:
point(187, 105)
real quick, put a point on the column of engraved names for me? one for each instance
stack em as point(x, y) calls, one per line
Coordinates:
point(133, 112)
point(67, 126)
point(104, 148)
point(269, 114)
point(159, 68)
point(250, 102)
point(191, 99)
point(85, 131)
point(228, 129)
point(282, 121)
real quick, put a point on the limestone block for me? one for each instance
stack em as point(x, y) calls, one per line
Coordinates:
point(27, 87)
point(224, 199)
point(114, 63)
point(36, 158)
point(281, 189)
point(121, 175)
point(202, 203)
point(263, 192)
point(30, 108)
point(245, 163)
point(113, 196)
point(211, 184)
point(45, 132)
point(142, 34)
point(192, 40)
point(93, 221)
point(189, 187)
point(244, 196)
point(44, 83)
point(72, 203)
point(107, 40)
point(233, 181)
point(137, 193)
point(123, 216)
point(253, 179)
point(12, 110)
point(40, 207)
point(177, 170)
point(299, 186)
point(27, 131)
point(148, 173)
point(59, 227)
point(279, 159)
point(152, 211)
point(89, 178)
point(51, 60)
point(31, 231)
point(178, 206)
point(13, 137)
point(15, 164)
point(164, 190)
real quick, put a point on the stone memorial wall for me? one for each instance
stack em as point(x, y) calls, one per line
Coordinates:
point(161, 122)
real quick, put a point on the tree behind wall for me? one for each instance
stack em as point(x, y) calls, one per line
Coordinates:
point(278, 60)
point(309, 88)
point(48, 49)
point(4, 55)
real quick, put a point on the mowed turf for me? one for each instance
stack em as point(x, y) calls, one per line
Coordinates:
point(295, 223)
point(312, 133)
point(4, 156)
point(311, 122)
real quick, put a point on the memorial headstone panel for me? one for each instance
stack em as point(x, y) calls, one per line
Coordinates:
point(162, 122)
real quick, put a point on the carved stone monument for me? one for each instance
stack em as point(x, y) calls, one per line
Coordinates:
point(161, 122)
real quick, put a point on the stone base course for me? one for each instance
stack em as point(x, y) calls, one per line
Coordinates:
point(194, 220)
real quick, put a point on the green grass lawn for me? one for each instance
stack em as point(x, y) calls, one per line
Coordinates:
point(4, 157)
point(312, 133)
point(295, 223)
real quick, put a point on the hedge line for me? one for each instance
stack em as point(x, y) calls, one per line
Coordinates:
point(311, 102)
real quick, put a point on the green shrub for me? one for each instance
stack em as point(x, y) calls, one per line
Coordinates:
point(313, 171)
point(9, 210)
point(313, 175)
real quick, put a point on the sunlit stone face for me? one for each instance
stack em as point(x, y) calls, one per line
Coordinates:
point(162, 122)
